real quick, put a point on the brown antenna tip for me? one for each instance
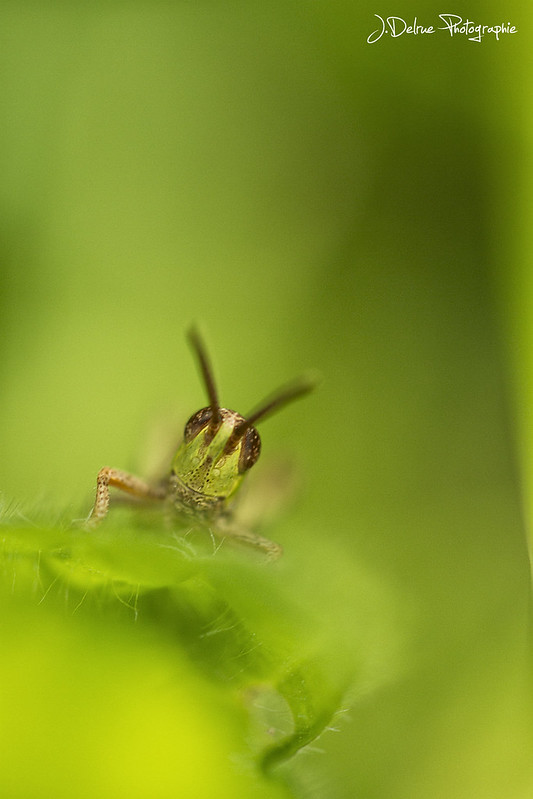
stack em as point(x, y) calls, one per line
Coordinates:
point(283, 396)
point(200, 350)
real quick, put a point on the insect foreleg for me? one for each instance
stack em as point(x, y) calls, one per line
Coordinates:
point(125, 482)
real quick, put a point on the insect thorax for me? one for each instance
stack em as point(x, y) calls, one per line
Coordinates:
point(192, 503)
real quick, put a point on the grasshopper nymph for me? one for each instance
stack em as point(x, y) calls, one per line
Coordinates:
point(219, 446)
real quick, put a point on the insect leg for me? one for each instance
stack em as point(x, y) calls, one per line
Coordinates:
point(228, 529)
point(125, 482)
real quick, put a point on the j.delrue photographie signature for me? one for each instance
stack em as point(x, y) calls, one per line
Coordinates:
point(453, 24)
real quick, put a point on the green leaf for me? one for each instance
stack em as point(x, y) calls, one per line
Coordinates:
point(157, 655)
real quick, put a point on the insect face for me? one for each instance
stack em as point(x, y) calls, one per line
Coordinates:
point(219, 445)
point(215, 455)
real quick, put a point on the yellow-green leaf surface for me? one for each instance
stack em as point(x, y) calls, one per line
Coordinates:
point(146, 664)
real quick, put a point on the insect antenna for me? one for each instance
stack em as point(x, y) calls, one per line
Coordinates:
point(199, 348)
point(297, 388)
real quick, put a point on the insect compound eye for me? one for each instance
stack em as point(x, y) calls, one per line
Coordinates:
point(196, 423)
point(250, 449)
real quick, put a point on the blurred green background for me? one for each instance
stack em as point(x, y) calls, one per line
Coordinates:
point(313, 201)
